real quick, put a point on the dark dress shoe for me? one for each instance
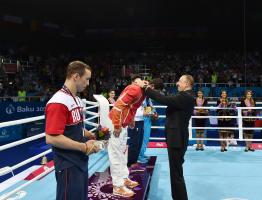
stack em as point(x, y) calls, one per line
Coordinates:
point(251, 149)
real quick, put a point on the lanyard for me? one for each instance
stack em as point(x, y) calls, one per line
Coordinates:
point(70, 93)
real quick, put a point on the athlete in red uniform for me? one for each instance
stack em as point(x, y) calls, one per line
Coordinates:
point(122, 116)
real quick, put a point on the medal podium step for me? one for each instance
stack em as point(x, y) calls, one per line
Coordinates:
point(100, 183)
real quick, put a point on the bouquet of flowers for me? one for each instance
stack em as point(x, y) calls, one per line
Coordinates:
point(102, 136)
point(102, 133)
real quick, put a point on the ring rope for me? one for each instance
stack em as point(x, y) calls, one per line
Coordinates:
point(5, 196)
point(16, 143)
point(21, 121)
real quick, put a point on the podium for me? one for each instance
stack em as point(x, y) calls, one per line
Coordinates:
point(100, 184)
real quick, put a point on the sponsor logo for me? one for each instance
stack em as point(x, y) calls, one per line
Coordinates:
point(3, 134)
point(25, 109)
point(158, 144)
point(46, 168)
point(34, 129)
point(10, 109)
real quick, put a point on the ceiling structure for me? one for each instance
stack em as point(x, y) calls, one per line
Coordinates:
point(219, 19)
point(132, 13)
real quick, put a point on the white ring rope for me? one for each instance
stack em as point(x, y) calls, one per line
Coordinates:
point(160, 106)
point(93, 129)
point(16, 143)
point(210, 139)
point(91, 123)
point(227, 117)
point(91, 118)
point(223, 128)
point(90, 102)
point(217, 117)
point(21, 121)
point(89, 107)
point(9, 169)
point(237, 102)
point(32, 119)
point(96, 115)
point(213, 128)
point(31, 159)
point(238, 116)
point(159, 127)
point(92, 113)
point(219, 108)
point(5, 196)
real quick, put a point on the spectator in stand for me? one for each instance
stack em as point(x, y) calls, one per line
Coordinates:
point(111, 97)
point(213, 82)
point(21, 95)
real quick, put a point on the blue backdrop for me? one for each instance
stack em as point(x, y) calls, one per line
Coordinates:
point(20, 110)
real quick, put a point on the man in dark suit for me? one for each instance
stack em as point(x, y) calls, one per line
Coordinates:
point(179, 110)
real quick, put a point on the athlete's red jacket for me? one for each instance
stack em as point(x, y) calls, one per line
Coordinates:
point(124, 110)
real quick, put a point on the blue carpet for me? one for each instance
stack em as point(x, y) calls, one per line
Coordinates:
point(211, 175)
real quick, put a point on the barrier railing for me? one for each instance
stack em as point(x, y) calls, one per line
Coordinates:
point(238, 116)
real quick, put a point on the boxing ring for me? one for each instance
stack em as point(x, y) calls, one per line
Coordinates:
point(209, 174)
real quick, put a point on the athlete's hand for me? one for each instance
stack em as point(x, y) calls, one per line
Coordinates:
point(117, 132)
point(132, 124)
point(90, 135)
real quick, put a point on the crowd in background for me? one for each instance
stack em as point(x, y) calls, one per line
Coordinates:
point(42, 75)
point(38, 77)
